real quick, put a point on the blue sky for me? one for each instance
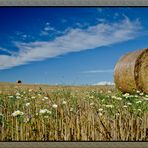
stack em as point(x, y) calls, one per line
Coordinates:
point(68, 45)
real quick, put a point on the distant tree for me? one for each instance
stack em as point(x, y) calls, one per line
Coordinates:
point(19, 81)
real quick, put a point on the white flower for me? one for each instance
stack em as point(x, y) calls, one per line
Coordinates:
point(129, 103)
point(64, 102)
point(100, 109)
point(109, 106)
point(91, 97)
point(118, 98)
point(145, 99)
point(91, 104)
point(39, 95)
point(141, 94)
point(126, 95)
point(114, 97)
point(26, 120)
point(30, 90)
point(46, 98)
point(17, 94)
point(138, 91)
point(100, 114)
point(46, 117)
point(27, 104)
point(117, 114)
point(125, 106)
point(43, 111)
point(101, 91)
point(10, 96)
point(54, 105)
point(71, 109)
point(33, 97)
point(146, 96)
point(138, 101)
point(18, 97)
point(17, 113)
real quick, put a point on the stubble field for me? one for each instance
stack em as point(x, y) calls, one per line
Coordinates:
point(71, 113)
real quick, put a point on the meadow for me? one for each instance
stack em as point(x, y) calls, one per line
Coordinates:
point(71, 113)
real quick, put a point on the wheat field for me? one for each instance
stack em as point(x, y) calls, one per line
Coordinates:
point(71, 113)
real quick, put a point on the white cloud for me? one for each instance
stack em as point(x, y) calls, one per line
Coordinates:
point(74, 40)
point(46, 30)
point(104, 83)
point(99, 71)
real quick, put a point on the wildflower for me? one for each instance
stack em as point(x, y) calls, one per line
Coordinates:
point(101, 91)
point(100, 109)
point(129, 103)
point(30, 90)
point(43, 111)
point(71, 109)
point(126, 95)
point(91, 104)
point(109, 91)
point(138, 91)
point(141, 94)
point(138, 101)
point(118, 98)
point(114, 97)
point(117, 114)
point(10, 96)
point(100, 114)
point(109, 106)
point(39, 95)
point(91, 97)
point(18, 97)
point(17, 94)
point(26, 120)
point(27, 104)
point(54, 105)
point(33, 97)
point(125, 106)
point(46, 117)
point(64, 102)
point(46, 98)
point(17, 113)
point(145, 99)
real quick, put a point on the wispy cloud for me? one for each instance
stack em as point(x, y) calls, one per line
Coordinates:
point(99, 71)
point(46, 30)
point(76, 39)
point(104, 83)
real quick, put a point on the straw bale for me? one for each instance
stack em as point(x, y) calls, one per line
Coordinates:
point(131, 72)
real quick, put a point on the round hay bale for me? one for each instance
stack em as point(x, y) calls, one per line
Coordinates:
point(131, 72)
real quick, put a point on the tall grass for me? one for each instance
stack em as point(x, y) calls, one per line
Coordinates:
point(73, 115)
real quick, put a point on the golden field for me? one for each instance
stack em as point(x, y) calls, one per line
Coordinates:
point(71, 113)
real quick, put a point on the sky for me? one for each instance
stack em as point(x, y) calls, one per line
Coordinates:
point(68, 45)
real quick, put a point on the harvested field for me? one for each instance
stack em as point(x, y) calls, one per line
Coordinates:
point(71, 113)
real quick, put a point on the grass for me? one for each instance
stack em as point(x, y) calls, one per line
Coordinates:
point(71, 113)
